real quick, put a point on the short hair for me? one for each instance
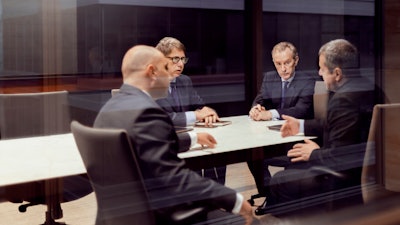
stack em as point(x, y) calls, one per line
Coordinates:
point(339, 53)
point(167, 44)
point(281, 46)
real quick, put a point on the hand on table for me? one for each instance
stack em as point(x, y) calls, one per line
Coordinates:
point(207, 114)
point(206, 139)
point(259, 112)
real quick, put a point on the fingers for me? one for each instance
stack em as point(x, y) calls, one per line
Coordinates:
point(206, 139)
point(209, 120)
point(206, 114)
point(259, 112)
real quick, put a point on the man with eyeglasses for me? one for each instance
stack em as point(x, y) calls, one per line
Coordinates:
point(188, 107)
point(183, 103)
point(283, 92)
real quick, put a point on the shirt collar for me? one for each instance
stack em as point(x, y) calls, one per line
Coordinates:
point(290, 79)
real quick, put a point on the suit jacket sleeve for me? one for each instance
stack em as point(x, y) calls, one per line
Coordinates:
point(190, 101)
point(169, 182)
point(299, 99)
point(344, 145)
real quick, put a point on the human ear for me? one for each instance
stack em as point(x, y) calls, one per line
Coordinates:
point(151, 72)
point(338, 73)
point(296, 60)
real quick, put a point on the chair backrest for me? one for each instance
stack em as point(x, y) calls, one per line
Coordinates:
point(320, 99)
point(111, 165)
point(382, 157)
point(114, 92)
point(34, 114)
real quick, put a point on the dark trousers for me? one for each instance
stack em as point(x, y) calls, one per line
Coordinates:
point(260, 168)
point(218, 174)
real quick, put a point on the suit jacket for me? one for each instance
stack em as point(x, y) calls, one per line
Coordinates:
point(299, 95)
point(345, 129)
point(170, 185)
point(189, 99)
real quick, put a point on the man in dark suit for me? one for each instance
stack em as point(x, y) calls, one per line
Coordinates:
point(183, 104)
point(187, 106)
point(284, 91)
point(344, 131)
point(170, 185)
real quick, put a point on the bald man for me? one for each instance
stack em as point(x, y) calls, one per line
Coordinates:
point(170, 185)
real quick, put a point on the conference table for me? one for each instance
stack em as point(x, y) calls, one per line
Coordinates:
point(242, 140)
point(47, 157)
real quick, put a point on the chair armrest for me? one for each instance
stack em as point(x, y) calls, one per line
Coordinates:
point(327, 171)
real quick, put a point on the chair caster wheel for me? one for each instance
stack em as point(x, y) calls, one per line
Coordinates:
point(22, 208)
point(251, 201)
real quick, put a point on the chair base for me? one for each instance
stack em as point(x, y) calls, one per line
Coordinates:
point(251, 200)
point(50, 220)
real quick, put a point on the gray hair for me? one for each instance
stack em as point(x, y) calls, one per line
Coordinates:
point(281, 46)
point(167, 44)
point(339, 53)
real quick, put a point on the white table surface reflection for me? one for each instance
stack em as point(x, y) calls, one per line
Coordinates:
point(243, 133)
point(46, 157)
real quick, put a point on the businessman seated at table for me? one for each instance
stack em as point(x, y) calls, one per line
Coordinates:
point(169, 183)
point(344, 131)
point(183, 104)
point(284, 91)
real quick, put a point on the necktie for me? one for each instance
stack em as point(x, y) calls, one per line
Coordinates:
point(175, 95)
point(285, 85)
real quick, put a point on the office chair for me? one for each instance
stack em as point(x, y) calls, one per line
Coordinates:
point(114, 92)
point(380, 176)
point(320, 99)
point(111, 164)
point(38, 114)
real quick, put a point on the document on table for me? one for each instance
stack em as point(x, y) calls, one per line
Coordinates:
point(213, 125)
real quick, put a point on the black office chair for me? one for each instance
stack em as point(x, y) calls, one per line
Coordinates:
point(111, 163)
point(39, 114)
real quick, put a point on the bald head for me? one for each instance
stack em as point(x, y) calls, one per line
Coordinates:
point(145, 67)
point(138, 58)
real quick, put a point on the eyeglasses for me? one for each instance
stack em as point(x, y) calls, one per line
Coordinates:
point(176, 59)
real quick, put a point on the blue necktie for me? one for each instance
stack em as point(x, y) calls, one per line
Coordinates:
point(285, 85)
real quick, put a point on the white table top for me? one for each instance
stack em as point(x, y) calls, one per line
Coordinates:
point(243, 133)
point(39, 158)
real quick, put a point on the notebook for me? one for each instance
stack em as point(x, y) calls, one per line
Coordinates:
point(275, 127)
point(216, 124)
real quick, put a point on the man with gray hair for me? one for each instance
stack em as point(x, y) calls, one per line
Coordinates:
point(344, 132)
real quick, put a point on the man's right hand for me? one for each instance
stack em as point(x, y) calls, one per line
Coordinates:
point(207, 114)
point(290, 127)
point(247, 212)
point(206, 139)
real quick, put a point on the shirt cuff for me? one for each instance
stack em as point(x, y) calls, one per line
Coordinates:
point(193, 138)
point(275, 114)
point(190, 118)
point(301, 128)
point(238, 203)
